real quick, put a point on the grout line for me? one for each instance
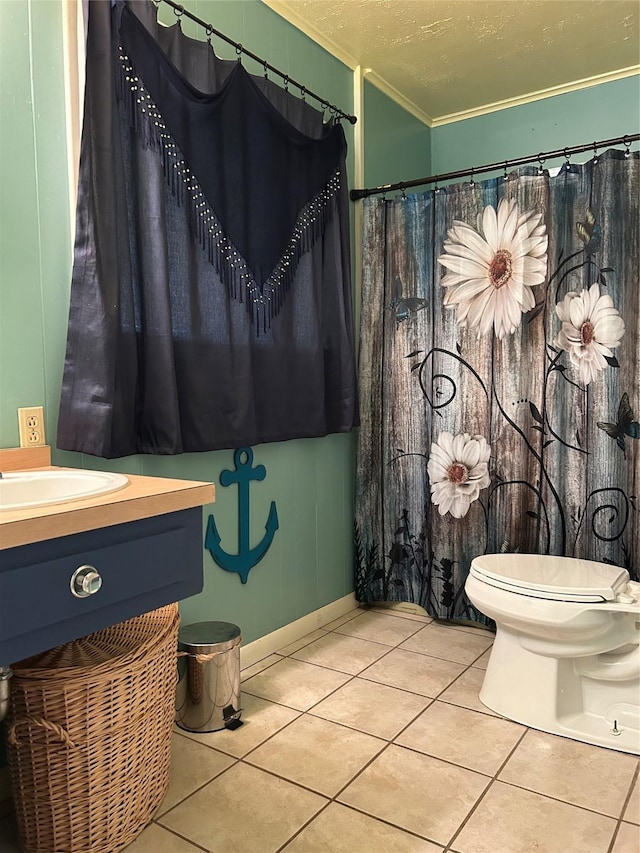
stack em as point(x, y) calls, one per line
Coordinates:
point(443, 760)
point(620, 820)
point(271, 737)
point(159, 817)
point(390, 823)
point(461, 624)
point(612, 843)
point(177, 834)
point(289, 781)
point(391, 739)
point(439, 657)
point(329, 797)
point(486, 713)
point(361, 771)
point(268, 666)
point(302, 645)
point(186, 735)
point(412, 721)
point(557, 799)
point(630, 791)
point(423, 618)
point(377, 642)
point(304, 826)
point(493, 779)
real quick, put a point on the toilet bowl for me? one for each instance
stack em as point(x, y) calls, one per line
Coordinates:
point(566, 657)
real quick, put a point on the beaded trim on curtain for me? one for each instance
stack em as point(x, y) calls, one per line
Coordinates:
point(262, 303)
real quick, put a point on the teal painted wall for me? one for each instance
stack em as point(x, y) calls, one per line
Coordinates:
point(310, 561)
point(598, 112)
point(35, 242)
point(397, 146)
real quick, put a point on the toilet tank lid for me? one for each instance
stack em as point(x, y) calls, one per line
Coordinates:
point(543, 573)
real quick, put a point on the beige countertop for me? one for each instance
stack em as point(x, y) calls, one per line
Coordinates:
point(142, 498)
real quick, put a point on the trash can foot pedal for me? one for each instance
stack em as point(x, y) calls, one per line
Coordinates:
point(231, 717)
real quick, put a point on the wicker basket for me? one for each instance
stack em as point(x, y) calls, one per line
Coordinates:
point(89, 736)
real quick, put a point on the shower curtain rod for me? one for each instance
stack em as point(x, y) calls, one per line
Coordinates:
point(504, 164)
point(240, 49)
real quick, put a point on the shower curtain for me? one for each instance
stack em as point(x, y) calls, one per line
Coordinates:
point(499, 375)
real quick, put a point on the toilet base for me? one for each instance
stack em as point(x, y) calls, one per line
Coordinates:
point(550, 694)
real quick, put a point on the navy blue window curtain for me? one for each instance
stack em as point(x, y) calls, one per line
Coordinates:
point(211, 294)
point(500, 379)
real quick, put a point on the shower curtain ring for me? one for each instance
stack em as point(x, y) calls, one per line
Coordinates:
point(436, 188)
point(567, 157)
point(178, 11)
point(472, 182)
point(595, 153)
point(239, 50)
point(541, 164)
point(286, 82)
point(504, 174)
point(209, 33)
point(404, 195)
point(627, 144)
point(303, 92)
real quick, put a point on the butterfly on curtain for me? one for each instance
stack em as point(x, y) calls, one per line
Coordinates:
point(589, 232)
point(405, 306)
point(626, 425)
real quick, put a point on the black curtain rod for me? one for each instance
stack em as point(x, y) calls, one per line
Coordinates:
point(211, 30)
point(504, 164)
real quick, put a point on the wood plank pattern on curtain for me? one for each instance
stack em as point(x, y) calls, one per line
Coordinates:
point(507, 419)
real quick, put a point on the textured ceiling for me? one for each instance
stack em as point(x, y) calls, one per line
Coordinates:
point(442, 58)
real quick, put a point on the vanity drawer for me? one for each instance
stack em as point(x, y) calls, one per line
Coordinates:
point(142, 565)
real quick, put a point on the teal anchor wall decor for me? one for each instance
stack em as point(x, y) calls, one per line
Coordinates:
point(247, 557)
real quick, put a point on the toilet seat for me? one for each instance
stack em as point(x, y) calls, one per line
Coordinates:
point(553, 579)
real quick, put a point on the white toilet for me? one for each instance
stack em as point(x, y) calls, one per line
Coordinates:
point(566, 657)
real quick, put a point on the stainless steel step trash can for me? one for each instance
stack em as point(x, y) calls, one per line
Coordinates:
point(208, 691)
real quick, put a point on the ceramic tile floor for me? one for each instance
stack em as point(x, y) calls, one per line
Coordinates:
point(367, 736)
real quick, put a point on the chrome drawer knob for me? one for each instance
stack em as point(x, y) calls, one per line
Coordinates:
point(85, 581)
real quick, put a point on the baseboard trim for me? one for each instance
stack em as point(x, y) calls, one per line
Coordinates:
point(402, 607)
point(270, 643)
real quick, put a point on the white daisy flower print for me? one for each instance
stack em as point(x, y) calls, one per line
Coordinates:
point(458, 469)
point(591, 328)
point(490, 275)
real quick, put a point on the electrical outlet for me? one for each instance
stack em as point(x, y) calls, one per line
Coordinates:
point(31, 426)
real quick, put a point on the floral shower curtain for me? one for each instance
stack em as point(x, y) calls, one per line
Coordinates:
point(499, 379)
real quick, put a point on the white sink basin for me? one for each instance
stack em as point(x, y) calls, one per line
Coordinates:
point(23, 489)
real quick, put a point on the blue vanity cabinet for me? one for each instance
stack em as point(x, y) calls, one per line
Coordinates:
point(142, 564)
